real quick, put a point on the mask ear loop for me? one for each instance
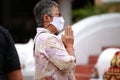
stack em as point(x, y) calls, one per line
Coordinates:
point(48, 26)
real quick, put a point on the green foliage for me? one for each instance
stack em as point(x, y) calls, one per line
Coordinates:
point(89, 10)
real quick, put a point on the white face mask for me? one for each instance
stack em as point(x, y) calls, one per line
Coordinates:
point(58, 22)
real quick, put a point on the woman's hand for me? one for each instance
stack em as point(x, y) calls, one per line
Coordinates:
point(68, 37)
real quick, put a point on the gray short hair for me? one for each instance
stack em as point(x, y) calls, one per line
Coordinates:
point(41, 8)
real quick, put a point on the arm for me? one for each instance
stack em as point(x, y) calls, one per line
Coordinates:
point(10, 61)
point(12, 67)
point(58, 55)
point(14, 75)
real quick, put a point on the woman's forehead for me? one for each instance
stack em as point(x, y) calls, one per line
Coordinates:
point(55, 10)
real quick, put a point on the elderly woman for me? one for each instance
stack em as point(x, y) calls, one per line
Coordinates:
point(54, 57)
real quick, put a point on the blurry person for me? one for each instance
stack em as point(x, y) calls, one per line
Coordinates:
point(10, 68)
point(54, 57)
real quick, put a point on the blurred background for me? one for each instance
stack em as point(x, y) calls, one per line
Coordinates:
point(96, 24)
point(17, 16)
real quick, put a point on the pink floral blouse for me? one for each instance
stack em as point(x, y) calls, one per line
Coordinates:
point(52, 62)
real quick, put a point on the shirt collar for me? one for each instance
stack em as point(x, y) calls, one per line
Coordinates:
point(39, 30)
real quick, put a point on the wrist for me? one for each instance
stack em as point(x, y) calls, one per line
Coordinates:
point(70, 50)
point(70, 47)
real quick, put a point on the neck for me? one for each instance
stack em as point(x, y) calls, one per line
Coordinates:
point(51, 28)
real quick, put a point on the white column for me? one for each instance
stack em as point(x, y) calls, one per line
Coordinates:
point(66, 10)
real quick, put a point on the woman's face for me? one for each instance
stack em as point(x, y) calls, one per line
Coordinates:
point(55, 12)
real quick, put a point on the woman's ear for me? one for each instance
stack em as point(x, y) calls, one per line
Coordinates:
point(47, 18)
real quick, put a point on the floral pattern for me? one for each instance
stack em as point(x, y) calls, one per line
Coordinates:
point(52, 62)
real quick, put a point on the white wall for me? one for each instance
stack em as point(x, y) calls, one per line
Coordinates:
point(94, 32)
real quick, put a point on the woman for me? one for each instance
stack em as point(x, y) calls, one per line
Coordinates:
point(54, 57)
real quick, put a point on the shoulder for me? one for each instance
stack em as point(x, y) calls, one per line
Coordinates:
point(50, 36)
point(4, 32)
point(43, 37)
point(4, 40)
